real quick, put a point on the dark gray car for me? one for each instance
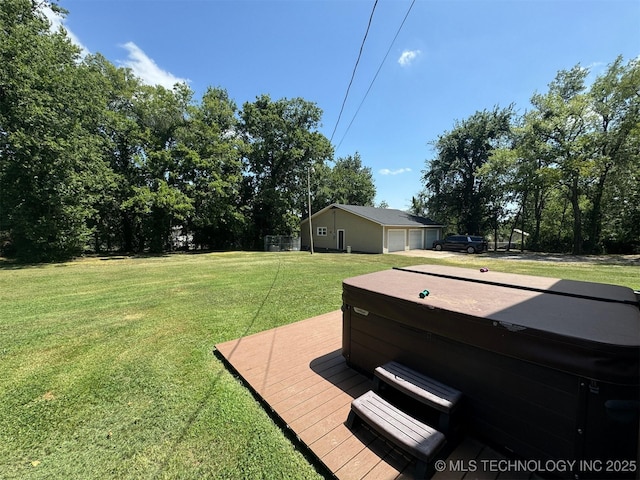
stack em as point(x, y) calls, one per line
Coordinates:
point(465, 243)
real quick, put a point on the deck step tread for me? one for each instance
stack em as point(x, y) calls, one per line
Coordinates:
point(419, 386)
point(415, 437)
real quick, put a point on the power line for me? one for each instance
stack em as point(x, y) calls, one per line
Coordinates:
point(376, 75)
point(354, 70)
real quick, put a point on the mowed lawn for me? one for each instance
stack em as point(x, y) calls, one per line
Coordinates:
point(107, 370)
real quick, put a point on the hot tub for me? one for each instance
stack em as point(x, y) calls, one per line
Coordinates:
point(549, 368)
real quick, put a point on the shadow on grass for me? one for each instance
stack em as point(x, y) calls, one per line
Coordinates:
point(10, 264)
point(14, 264)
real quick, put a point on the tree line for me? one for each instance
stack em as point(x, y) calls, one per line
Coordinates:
point(566, 172)
point(91, 159)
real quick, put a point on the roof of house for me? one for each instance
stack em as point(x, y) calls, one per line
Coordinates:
point(384, 216)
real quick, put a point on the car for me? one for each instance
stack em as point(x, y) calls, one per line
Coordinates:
point(467, 243)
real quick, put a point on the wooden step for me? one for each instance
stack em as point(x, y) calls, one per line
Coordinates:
point(425, 390)
point(418, 386)
point(414, 437)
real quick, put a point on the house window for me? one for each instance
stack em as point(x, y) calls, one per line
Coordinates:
point(321, 231)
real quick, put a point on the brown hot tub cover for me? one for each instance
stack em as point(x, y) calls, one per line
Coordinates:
point(588, 329)
point(557, 359)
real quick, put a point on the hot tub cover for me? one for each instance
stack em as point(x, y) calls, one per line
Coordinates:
point(582, 328)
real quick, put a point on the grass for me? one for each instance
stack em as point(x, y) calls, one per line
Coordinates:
point(107, 371)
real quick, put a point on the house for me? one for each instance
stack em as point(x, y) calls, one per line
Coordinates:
point(368, 229)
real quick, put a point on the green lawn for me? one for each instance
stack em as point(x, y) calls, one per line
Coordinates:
point(107, 371)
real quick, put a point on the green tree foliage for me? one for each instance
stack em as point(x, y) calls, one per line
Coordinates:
point(211, 171)
point(455, 193)
point(159, 203)
point(51, 169)
point(519, 175)
point(351, 183)
point(419, 204)
point(571, 172)
point(122, 149)
point(348, 182)
point(93, 159)
point(614, 144)
point(282, 144)
point(561, 121)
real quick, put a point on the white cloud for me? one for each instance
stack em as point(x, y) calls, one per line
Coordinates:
point(386, 171)
point(407, 57)
point(142, 66)
point(146, 68)
point(595, 64)
point(58, 21)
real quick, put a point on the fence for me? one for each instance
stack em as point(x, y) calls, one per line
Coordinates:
point(281, 243)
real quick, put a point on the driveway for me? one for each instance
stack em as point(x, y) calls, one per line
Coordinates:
point(428, 254)
point(531, 256)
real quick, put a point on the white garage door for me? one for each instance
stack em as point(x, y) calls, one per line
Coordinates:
point(415, 239)
point(395, 240)
point(432, 236)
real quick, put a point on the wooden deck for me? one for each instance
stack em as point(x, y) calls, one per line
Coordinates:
point(299, 372)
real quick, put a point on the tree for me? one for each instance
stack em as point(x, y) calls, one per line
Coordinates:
point(521, 177)
point(123, 150)
point(159, 203)
point(50, 164)
point(561, 120)
point(613, 143)
point(581, 137)
point(621, 218)
point(573, 165)
point(210, 167)
point(351, 183)
point(500, 174)
point(456, 195)
point(282, 144)
point(419, 204)
point(348, 182)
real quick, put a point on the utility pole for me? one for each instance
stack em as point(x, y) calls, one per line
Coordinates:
point(309, 205)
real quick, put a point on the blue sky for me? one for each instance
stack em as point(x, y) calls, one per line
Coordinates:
point(451, 59)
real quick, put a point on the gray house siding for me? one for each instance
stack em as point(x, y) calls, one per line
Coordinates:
point(368, 229)
point(360, 234)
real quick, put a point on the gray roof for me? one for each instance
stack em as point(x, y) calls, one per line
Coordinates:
point(387, 216)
